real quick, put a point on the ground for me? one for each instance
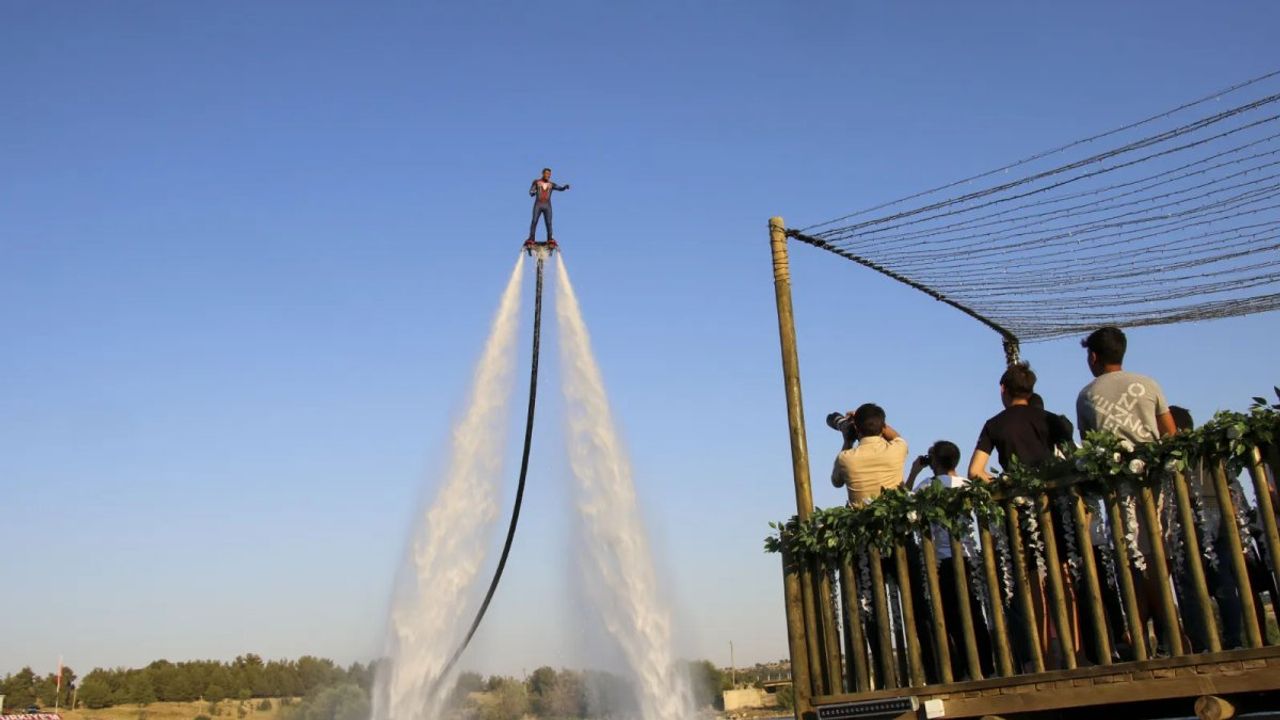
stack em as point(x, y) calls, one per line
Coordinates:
point(226, 710)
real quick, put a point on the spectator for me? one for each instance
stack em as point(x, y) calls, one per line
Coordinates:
point(1123, 403)
point(876, 462)
point(1020, 430)
point(1133, 407)
point(942, 460)
point(1029, 435)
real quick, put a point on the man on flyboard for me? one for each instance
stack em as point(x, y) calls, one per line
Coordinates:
point(540, 190)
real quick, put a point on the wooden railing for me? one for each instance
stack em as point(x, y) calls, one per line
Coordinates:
point(1026, 589)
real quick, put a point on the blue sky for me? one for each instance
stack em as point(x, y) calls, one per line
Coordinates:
point(249, 252)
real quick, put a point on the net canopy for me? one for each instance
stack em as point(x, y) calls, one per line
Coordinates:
point(1170, 219)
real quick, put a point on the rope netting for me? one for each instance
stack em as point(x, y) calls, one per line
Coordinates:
point(1170, 219)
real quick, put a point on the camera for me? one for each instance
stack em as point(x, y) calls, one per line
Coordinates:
point(925, 460)
point(840, 421)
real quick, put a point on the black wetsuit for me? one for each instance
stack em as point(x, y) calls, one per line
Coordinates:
point(541, 191)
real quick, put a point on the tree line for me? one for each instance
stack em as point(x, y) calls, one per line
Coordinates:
point(331, 692)
point(248, 676)
point(567, 694)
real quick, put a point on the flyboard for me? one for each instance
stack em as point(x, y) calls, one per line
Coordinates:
point(544, 248)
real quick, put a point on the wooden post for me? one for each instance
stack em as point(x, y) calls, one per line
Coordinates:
point(880, 607)
point(943, 655)
point(1128, 593)
point(1022, 578)
point(813, 624)
point(1158, 565)
point(1057, 588)
point(1195, 563)
point(1266, 510)
point(830, 636)
point(790, 367)
point(801, 681)
point(999, 628)
point(855, 643)
point(915, 665)
point(961, 577)
point(1236, 552)
point(1092, 583)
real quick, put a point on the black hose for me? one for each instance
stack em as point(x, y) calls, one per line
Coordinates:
point(524, 470)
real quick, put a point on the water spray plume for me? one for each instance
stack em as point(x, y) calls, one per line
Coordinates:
point(618, 566)
point(427, 615)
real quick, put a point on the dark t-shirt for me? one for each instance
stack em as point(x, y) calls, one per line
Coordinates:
point(1025, 432)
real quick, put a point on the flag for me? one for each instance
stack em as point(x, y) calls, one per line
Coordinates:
point(59, 680)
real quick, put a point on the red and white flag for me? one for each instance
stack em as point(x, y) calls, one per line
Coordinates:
point(59, 680)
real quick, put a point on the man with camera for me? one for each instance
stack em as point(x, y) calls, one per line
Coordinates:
point(877, 460)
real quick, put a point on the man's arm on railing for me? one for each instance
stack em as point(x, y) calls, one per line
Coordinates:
point(978, 466)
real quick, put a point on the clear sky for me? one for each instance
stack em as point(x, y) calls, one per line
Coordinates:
point(249, 252)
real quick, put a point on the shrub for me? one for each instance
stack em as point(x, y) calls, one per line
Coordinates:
point(265, 704)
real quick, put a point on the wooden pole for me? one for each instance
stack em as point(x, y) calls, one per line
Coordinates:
point(1022, 579)
point(1236, 552)
point(943, 654)
point(1092, 583)
point(1266, 510)
point(855, 644)
point(1195, 564)
point(1057, 588)
point(999, 627)
point(790, 367)
point(1124, 573)
point(799, 445)
point(880, 607)
point(960, 575)
point(801, 681)
point(830, 636)
point(915, 666)
point(1158, 566)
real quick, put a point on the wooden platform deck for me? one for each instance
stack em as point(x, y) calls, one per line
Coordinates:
point(1190, 676)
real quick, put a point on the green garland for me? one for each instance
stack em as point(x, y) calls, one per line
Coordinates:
point(838, 534)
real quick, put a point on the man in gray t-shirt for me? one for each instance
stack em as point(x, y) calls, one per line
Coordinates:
point(1126, 404)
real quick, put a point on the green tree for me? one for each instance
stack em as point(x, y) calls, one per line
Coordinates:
point(20, 689)
point(139, 689)
point(542, 680)
point(95, 693)
point(345, 701)
point(509, 701)
point(707, 683)
point(468, 682)
point(215, 694)
point(567, 698)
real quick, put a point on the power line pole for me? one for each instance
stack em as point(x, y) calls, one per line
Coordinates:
point(733, 668)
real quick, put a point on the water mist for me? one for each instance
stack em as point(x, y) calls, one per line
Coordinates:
point(448, 549)
point(617, 565)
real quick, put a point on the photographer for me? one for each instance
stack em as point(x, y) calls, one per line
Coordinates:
point(876, 461)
